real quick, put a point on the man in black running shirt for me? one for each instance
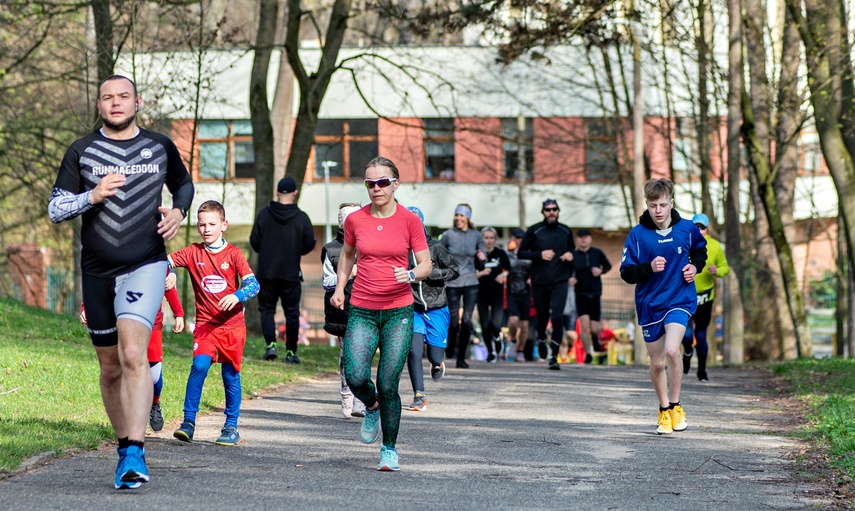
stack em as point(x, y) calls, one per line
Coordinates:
point(114, 178)
point(549, 245)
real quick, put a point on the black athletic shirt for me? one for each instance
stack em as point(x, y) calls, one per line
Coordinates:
point(120, 234)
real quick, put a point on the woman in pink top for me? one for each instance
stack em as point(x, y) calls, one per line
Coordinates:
point(383, 234)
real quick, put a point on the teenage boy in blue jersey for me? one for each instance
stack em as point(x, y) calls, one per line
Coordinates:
point(661, 256)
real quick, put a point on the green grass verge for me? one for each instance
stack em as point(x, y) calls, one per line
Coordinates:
point(826, 386)
point(49, 395)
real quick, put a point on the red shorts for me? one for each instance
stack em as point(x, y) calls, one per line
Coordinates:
point(155, 345)
point(220, 343)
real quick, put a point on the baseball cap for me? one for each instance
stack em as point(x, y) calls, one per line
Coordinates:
point(550, 202)
point(583, 232)
point(518, 233)
point(701, 219)
point(286, 185)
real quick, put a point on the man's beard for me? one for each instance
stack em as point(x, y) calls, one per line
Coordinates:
point(551, 220)
point(121, 126)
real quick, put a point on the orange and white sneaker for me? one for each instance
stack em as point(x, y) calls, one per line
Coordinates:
point(664, 422)
point(678, 418)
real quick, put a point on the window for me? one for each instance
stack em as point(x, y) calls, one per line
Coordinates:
point(225, 150)
point(683, 156)
point(511, 149)
point(601, 149)
point(439, 149)
point(810, 153)
point(344, 147)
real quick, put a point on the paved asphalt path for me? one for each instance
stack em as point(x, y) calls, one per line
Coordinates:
point(497, 436)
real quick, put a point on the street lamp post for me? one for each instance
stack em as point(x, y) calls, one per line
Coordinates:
point(327, 164)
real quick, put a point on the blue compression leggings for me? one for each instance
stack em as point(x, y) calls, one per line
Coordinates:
point(195, 382)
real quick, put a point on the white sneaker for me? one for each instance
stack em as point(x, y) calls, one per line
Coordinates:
point(347, 405)
point(520, 357)
point(358, 408)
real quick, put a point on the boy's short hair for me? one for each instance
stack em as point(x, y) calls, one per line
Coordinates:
point(212, 206)
point(655, 188)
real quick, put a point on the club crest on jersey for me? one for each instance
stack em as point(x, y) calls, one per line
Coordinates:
point(379, 227)
point(225, 265)
point(146, 153)
point(214, 284)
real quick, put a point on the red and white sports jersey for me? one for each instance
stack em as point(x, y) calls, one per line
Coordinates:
point(215, 275)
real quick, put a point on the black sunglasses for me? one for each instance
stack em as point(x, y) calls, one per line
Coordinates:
point(382, 182)
point(550, 210)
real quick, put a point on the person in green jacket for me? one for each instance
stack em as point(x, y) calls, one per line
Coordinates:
point(716, 267)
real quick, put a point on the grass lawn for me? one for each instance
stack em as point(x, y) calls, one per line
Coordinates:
point(826, 386)
point(49, 395)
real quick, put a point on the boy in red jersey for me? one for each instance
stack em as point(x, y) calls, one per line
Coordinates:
point(222, 279)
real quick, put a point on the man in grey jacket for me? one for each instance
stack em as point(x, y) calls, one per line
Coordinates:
point(282, 233)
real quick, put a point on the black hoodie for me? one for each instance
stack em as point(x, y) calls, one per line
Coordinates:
point(282, 233)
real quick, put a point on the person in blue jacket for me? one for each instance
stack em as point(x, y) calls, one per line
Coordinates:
point(661, 256)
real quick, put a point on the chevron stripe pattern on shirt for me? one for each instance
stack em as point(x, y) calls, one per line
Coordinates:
point(121, 233)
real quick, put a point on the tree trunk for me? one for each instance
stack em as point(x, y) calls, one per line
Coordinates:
point(761, 103)
point(789, 124)
point(760, 168)
point(262, 128)
point(850, 307)
point(103, 22)
point(703, 121)
point(734, 313)
point(842, 317)
point(263, 145)
point(838, 156)
point(312, 86)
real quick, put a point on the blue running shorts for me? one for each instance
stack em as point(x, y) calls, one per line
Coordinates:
point(654, 331)
point(433, 324)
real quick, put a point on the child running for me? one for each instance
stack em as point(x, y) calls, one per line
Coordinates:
point(430, 318)
point(335, 319)
point(662, 255)
point(222, 279)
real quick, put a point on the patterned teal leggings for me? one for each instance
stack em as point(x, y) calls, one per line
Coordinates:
point(392, 331)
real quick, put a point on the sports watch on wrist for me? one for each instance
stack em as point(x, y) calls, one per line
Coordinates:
point(412, 275)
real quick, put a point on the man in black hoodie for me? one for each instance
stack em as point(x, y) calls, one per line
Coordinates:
point(281, 235)
point(549, 245)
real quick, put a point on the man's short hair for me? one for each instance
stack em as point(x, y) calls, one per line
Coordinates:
point(212, 206)
point(656, 188)
point(118, 77)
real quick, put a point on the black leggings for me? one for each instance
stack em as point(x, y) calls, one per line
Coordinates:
point(414, 361)
point(392, 331)
point(549, 304)
point(490, 312)
point(459, 330)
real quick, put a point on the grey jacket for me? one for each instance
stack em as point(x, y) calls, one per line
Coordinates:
point(463, 245)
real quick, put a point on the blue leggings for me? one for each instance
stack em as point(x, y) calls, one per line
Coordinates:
point(195, 382)
point(392, 331)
